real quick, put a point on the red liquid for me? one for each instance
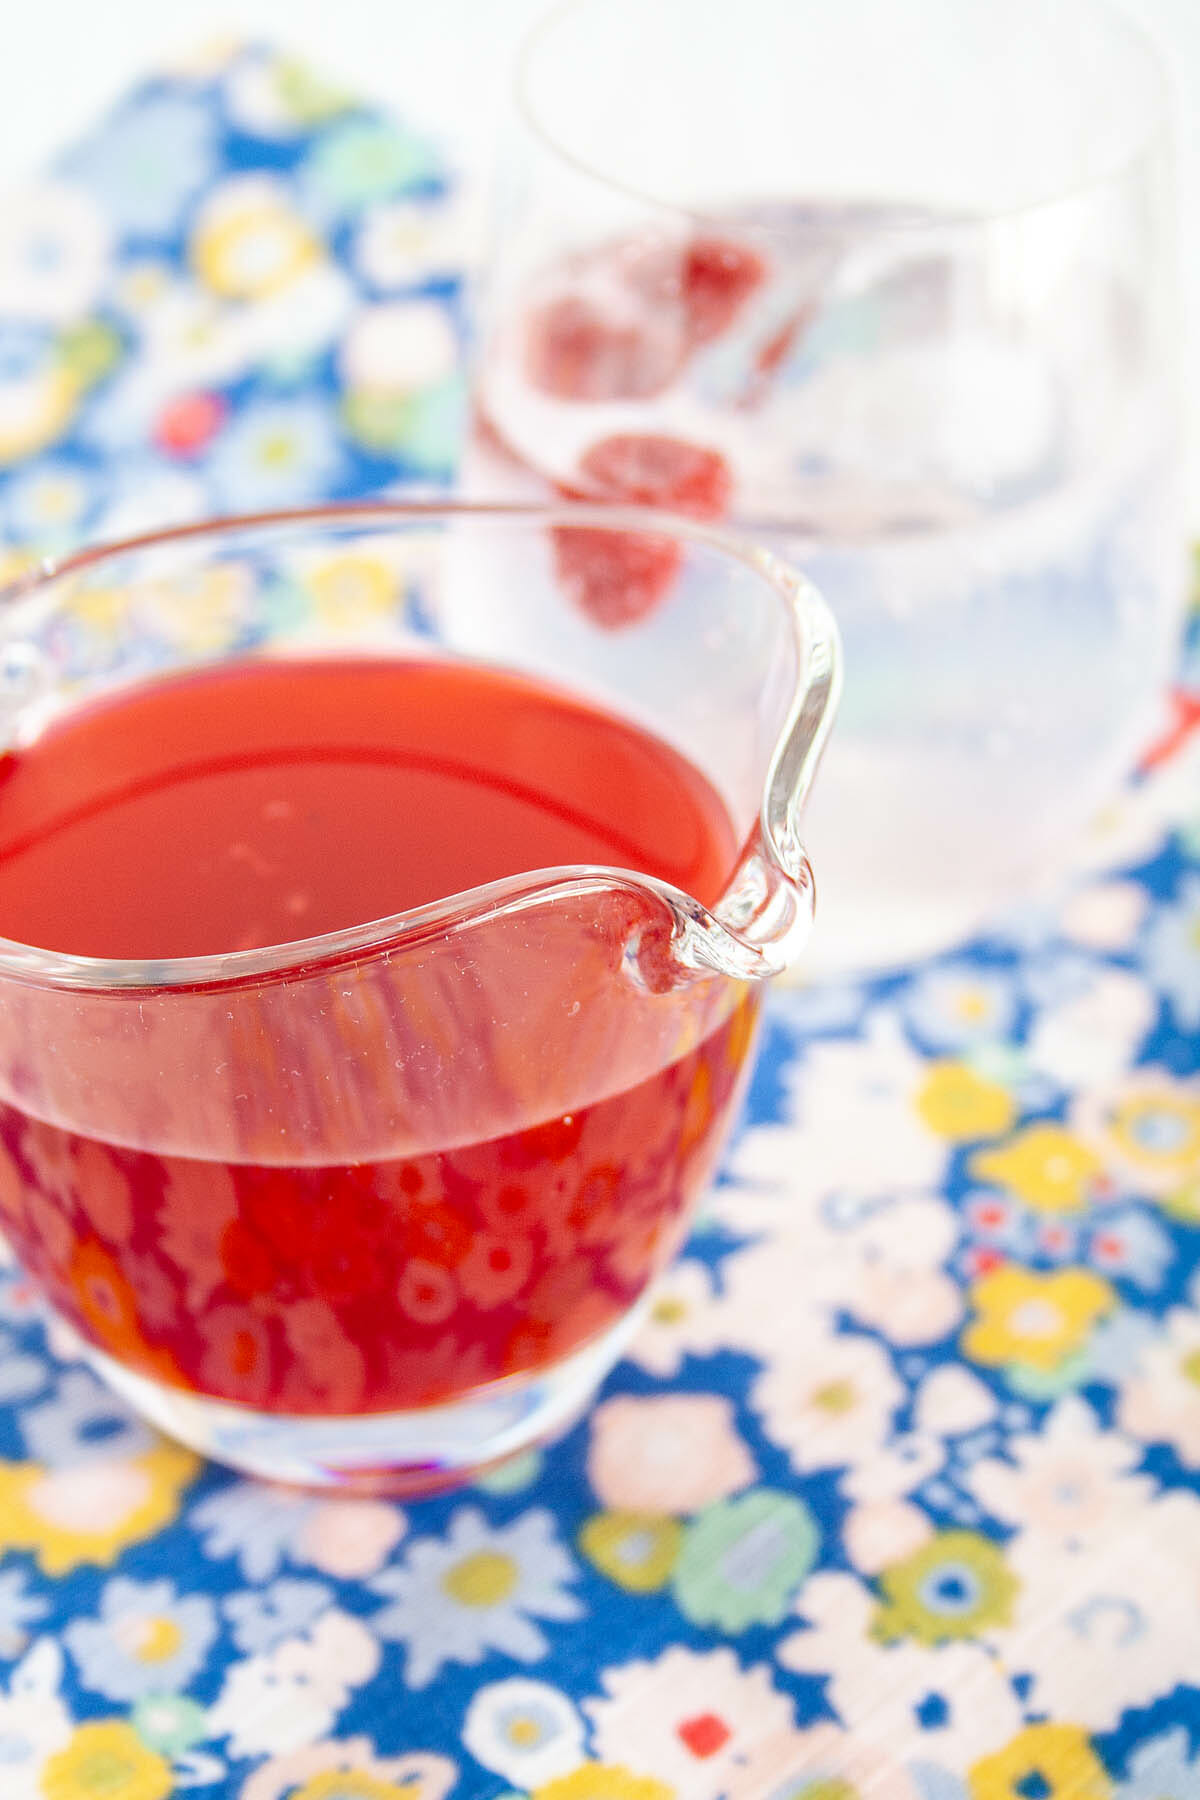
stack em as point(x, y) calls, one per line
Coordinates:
point(262, 801)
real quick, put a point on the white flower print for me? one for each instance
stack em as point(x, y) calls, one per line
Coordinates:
point(349, 1538)
point(281, 1701)
point(1160, 1400)
point(143, 497)
point(48, 504)
point(19, 1610)
point(265, 1528)
point(827, 1760)
point(666, 1453)
point(479, 1588)
point(399, 347)
point(951, 1400)
point(682, 1320)
point(829, 1401)
point(855, 1125)
point(767, 1195)
point(263, 1617)
point(878, 1259)
point(858, 1134)
point(910, 1231)
point(272, 96)
point(403, 243)
point(1092, 1036)
point(34, 1721)
point(147, 1639)
point(54, 253)
point(1071, 1483)
point(1108, 1624)
point(191, 337)
point(418, 1774)
point(275, 452)
point(907, 1306)
point(879, 1532)
point(1170, 946)
point(524, 1730)
point(772, 1293)
point(902, 1464)
point(953, 1006)
point(1104, 915)
point(699, 1722)
point(949, 1705)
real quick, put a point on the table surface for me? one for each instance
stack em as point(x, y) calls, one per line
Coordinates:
point(896, 1496)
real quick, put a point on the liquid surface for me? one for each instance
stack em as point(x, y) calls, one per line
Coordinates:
point(269, 800)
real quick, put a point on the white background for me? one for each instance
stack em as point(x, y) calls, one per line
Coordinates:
point(444, 63)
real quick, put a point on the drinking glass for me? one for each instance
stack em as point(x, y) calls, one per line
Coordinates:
point(381, 1207)
point(891, 286)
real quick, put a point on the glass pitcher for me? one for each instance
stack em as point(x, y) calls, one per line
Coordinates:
point(379, 1208)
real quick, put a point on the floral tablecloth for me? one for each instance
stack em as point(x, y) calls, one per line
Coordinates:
point(896, 1497)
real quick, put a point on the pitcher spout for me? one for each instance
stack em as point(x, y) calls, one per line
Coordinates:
point(762, 921)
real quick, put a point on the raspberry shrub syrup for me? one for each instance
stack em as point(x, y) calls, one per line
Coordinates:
point(345, 790)
point(381, 947)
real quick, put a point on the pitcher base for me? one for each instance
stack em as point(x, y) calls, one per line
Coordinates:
point(422, 1451)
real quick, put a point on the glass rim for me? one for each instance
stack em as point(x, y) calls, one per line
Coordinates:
point(790, 767)
point(906, 219)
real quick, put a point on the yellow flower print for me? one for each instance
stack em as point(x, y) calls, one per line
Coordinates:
point(604, 1781)
point(204, 611)
point(954, 1586)
point(1146, 1132)
point(99, 606)
point(636, 1550)
point(106, 1761)
point(142, 284)
point(206, 60)
point(38, 400)
point(351, 1784)
point(89, 1513)
point(250, 244)
point(349, 1770)
point(1039, 1320)
point(15, 562)
point(50, 503)
point(485, 1579)
point(308, 97)
point(959, 1104)
point(1184, 1203)
point(353, 590)
point(1057, 1760)
point(89, 351)
point(35, 411)
point(1046, 1167)
point(1156, 1133)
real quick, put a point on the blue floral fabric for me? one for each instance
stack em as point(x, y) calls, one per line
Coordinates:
point(243, 291)
point(897, 1495)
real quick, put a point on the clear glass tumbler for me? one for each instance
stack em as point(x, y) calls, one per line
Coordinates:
point(891, 286)
point(381, 1207)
